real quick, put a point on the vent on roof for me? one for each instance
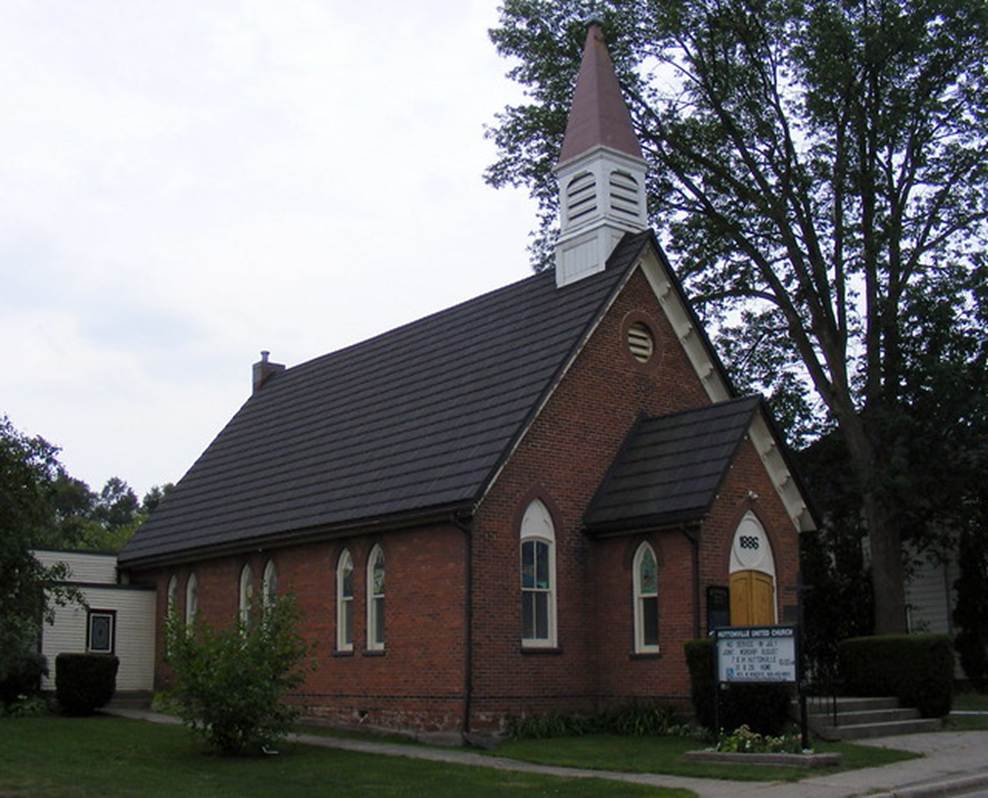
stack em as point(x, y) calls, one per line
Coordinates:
point(581, 197)
point(624, 194)
point(640, 342)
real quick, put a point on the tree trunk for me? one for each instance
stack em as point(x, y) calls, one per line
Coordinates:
point(884, 538)
point(887, 573)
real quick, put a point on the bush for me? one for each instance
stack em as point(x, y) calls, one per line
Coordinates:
point(229, 683)
point(23, 676)
point(971, 612)
point(916, 669)
point(762, 707)
point(25, 707)
point(637, 719)
point(85, 682)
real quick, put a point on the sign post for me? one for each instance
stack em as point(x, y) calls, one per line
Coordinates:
point(758, 655)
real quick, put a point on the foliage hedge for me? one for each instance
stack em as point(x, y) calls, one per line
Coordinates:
point(85, 682)
point(918, 669)
point(637, 719)
point(23, 676)
point(764, 708)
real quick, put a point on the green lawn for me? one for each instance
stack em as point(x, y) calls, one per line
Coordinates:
point(971, 701)
point(664, 755)
point(104, 756)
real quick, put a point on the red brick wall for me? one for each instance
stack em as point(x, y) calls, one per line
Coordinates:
point(748, 474)
point(562, 461)
point(417, 682)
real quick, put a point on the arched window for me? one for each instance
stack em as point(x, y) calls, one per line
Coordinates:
point(375, 600)
point(646, 587)
point(538, 577)
point(269, 586)
point(344, 602)
point(191, 599)
point(246, 594)
point(172, 595)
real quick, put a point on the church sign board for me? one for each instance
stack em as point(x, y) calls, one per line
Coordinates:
point(756, 654)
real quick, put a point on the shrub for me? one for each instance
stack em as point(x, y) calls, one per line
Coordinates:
point(917, 669)
point(762, 707)
point(971, 612)
point(23, 676)
point(637, 719)
point(85, 682)
point(229, 683)
point(33, 706)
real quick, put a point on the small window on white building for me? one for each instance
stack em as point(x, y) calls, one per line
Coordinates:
point(191, 599)
point(375, 600)
point(538, 577)
point(269, 586)
point(344, 602)
point(246, 595)
point(100, 631)
point(646, 589)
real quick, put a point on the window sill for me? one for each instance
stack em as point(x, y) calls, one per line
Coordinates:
point(549, 650)
point(343, 653)
point(645, 655)
point(373, 652)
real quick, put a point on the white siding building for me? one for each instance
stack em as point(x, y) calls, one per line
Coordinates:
point(119, 619)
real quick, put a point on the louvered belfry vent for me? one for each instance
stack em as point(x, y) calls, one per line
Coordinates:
point(581, 197)
point(640, 342)
point(624, 194)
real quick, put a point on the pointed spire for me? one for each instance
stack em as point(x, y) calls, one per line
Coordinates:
point(598, 115)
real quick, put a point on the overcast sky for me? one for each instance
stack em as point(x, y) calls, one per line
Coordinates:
point(183, 184)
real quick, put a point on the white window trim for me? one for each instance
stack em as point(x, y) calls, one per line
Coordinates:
point(537, 525)
point(341, 644)
point(640, 646)
point(269, 585)
point(90, 617)
point(246, 594)
point(372, 644)
point(172, 600)
point(191, 599)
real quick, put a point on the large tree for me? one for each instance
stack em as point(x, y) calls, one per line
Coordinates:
point(816, 166)
point(28, 590)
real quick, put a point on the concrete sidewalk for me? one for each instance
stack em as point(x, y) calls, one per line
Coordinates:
point(953, 762)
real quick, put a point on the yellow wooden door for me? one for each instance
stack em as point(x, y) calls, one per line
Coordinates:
point(752, 599)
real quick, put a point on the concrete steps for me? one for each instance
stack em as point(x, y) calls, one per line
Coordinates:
point(859, 718)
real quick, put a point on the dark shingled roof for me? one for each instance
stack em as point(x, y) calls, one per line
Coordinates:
point(670, 467)
point(416, 419)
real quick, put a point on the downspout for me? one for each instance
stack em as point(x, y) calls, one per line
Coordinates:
point(692, 534)
point(465, 525)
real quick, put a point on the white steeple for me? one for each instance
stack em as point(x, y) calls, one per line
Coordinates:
point(601, 172)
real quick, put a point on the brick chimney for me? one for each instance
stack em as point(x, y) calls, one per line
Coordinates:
point(263, 369)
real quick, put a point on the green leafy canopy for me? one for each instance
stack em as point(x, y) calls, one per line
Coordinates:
point(816, 168)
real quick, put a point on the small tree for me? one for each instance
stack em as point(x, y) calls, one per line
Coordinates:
point(229, 683)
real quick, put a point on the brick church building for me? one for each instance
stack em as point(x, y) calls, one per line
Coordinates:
point(525, 503)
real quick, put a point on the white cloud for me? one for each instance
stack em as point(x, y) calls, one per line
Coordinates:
point(187, 183)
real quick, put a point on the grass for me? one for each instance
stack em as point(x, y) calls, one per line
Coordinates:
point(664, 755)
point(104, 756)
point(968, 701)
point(971, 701)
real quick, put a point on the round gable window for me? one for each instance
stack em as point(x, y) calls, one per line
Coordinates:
point(640, 342)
